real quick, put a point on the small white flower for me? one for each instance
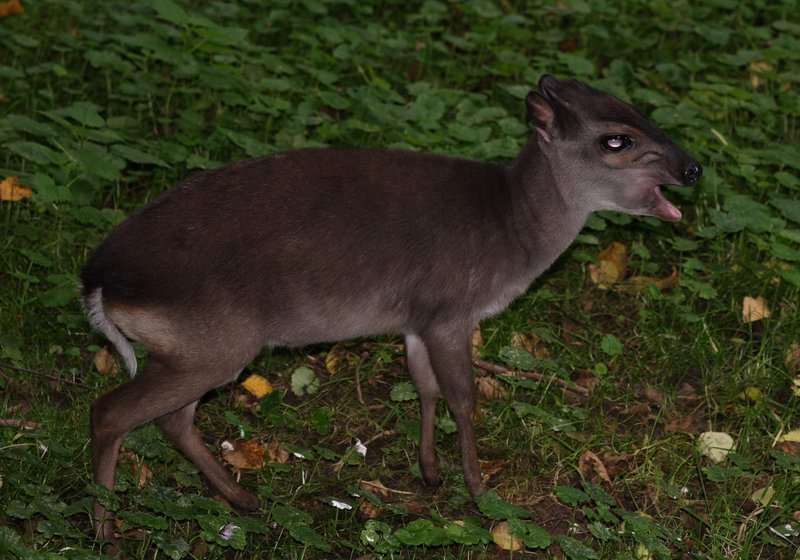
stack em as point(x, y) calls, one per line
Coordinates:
point(361, 449)
point(227, 446)
point(341, 505)
point(227, 531)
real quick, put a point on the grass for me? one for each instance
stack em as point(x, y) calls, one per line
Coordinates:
point(104, 105)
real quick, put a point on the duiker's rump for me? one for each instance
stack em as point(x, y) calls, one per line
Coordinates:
point(319, 245)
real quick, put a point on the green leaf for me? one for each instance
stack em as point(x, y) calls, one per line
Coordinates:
point(137, 156)
point(467, 533)
point(598, 494)
point(46, 191)
point(422, 532)
point(84, 113)
point(62, 292)
point(576, 550)
point(791, 275)
point(403, 391)
point(532, 535)
point(37, 258)
point(571, 496)
point(173, 548)
point(35, 152)
point(378, 536)
point(718, 473)
point(321, 420)
point(611, 345)
point(493, 507)
point(142, 519)
point(304, 381)
point(95, 160)
point(788, 207)
point(27, 124)
point(785, 252)
point(170, 11)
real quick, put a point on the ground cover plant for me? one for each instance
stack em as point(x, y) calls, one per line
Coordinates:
point(641, 401)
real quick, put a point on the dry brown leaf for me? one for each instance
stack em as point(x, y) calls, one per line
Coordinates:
point(376, 487)
point(615, 464)
point(692, 424)
point(503, 538)
point(531, 343)
point(793, 357)
point(246, 454)
point(277, 453)
point(754, 309)
point(11, 7)
point(613, 261)
point(592, 468)
point(790, 448)
point(637, 283)
point(257, 386)
point(491, 468)
point(490, 389)
point(654, 396)
point(477, 341)
point(757, 69)
point(370, 510)
point(12, 191)
point(104, 362)
point(142, 474)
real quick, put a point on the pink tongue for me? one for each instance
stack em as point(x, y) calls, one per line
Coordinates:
point(664, 209)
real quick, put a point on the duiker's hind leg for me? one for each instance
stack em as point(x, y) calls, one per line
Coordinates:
point(179, 427)
point(419, 366)
point(156, 392)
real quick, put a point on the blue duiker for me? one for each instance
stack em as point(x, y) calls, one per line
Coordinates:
point(319, 245)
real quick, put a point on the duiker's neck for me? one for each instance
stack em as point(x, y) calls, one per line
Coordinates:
point(546, 221)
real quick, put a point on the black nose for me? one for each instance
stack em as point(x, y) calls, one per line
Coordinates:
point(692, 174)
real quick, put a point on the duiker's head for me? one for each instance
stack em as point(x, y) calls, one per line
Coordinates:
point(604, 154)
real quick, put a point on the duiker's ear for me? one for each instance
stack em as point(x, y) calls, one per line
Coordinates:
point(541, 114)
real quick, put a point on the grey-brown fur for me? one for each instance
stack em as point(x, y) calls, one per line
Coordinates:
point(320, 245)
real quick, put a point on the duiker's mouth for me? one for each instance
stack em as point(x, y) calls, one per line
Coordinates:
point(663, 208)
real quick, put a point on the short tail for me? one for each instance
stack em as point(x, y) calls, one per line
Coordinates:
point(93, 306)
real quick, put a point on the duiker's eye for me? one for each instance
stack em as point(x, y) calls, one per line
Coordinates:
point(616, 143)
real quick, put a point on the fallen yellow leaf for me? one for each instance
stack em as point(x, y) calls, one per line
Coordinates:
point(751, 394)
point(503, 538)
point(257, 386)
point(104, 362)
point(793, 436)
point(339, 358)
point(12, 191)
point(12, 7)
point(754, 309)
point(613, 261)
point(763, 496)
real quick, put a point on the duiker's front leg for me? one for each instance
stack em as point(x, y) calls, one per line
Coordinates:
point(419, 366)
point(449, 353)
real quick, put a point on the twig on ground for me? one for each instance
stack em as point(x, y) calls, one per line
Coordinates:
point(494, 368)
point(364, 356)
point(42, 374)
point(19, 423)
